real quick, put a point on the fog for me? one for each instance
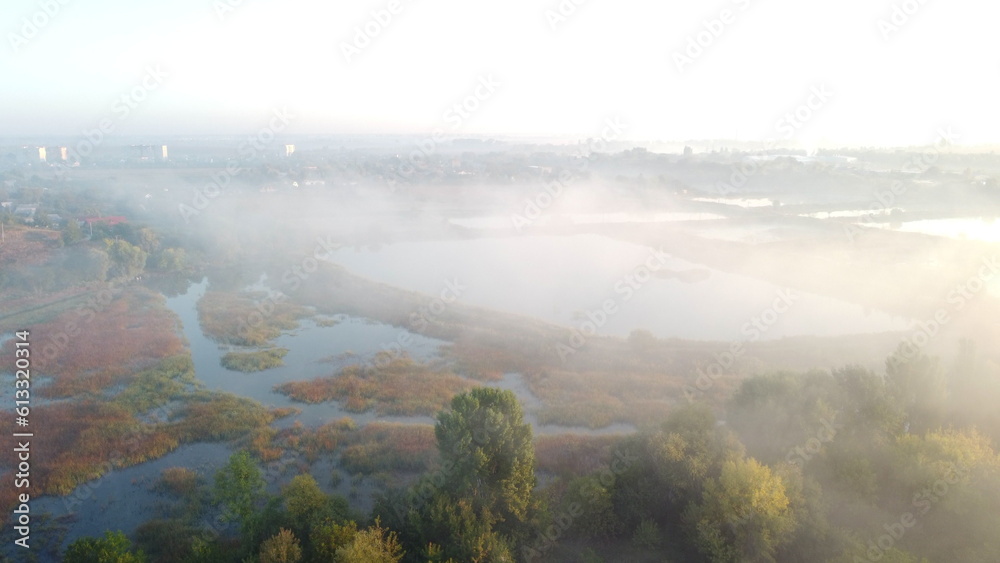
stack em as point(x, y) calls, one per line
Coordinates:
point(452, 283)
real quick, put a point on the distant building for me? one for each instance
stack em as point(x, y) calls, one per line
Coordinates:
point(110, 220)
point(26, 212)
point(146, 152)
point(289, 149)
point(53, 153)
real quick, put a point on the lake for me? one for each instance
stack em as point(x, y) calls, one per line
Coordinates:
point(566, 279)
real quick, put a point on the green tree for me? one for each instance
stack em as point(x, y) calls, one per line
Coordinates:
point(114, 547)
point(146, 239)
point(489, 447)
point(71, 233)
point(744, 515)
point(918, 384)
point(239, 486)
point(88, 264)
point(282, 547)
point(127, 260)
point(171, 260)
point(328, 537)
point(461, 532)
point(305, 502)
point(372, 545)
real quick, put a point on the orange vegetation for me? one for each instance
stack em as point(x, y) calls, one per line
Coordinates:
point(92, 438)
point(241, 320)
point(93, 347)
point(387, 446)
point(393, 386)
point(313, 442)
point(180, 481)
point(573, 454)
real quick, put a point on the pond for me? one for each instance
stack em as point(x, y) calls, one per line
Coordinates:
point(507, 221)
point(567, 279)
point(313, 351)
point(961, 228)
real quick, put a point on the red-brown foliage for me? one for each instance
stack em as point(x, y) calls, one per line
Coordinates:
point(88, 349)
point(573, 454)
point(387, 446)
point(399, 386)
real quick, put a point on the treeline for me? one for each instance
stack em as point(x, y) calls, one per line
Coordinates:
point(96, 253)
point(836, 467)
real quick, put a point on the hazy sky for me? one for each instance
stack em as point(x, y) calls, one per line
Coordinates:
point(225, 66)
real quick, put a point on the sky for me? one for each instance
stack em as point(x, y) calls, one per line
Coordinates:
point(854, 72)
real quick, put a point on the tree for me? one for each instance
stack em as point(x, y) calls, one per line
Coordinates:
point(146, 239)
point(462, 532)
point(328, 537)
point(310, 510)
point(919, 386)
point(489, 446)
point(744, 515)
point(372, 545)
point(114, 547)
point(282, 547)
point(90, 264)
point(239, 486)
point(171, 260)
point(71, 233)
point(305, 501)
point(127, 260)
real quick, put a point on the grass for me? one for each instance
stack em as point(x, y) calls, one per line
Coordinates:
point(259, 360)
point(392, 386)
point(385, 446)
point(90, 349)
point(573, 454)
point(158, 385)
point(314, 442)
point(179, 481)
point(207, 417)
point(246, 319)
point(94, 437)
